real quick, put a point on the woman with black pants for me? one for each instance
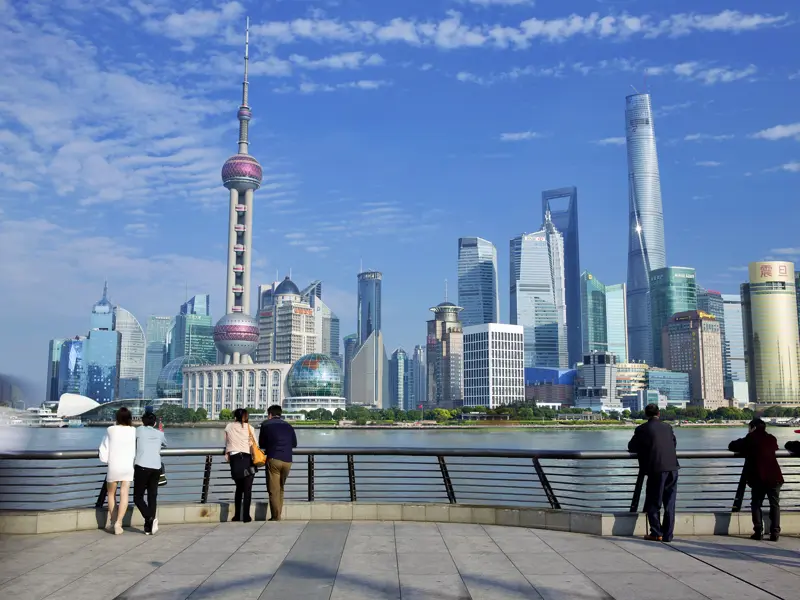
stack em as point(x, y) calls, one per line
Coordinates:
point(237, 452)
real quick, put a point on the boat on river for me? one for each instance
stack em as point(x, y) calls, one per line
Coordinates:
point(41, 417)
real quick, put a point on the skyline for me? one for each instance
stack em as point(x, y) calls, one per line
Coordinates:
point(369, 170)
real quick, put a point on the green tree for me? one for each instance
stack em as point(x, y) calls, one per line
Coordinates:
point(202, 414)
point(226, 415)
point(339, 414)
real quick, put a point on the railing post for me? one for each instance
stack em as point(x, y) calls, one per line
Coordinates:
point(548, 489)
point(206, 480)
point(448, 484)
point(101, 495)
point(310, 477)
point(740, 490)
point(351, 476)
point(637, 492)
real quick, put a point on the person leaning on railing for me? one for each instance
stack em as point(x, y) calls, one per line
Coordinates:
point(118, 450)
point(654, 443)
point(147, 470)
point(277, 438)
point(763, 474)
point(237, 453)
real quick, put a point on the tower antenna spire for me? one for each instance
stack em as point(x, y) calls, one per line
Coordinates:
point(445, 290)
point(245, 114)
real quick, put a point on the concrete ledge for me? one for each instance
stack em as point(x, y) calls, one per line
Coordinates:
point(594, 523)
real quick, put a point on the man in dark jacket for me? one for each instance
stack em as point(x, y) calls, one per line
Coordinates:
point(763, 474)
point(277, 439)
point(654, 444)
point(793, 446)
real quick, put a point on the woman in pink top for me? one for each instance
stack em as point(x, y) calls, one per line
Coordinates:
point(237, 452)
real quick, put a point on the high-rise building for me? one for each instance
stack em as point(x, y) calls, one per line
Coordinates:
point(494, 365)
point(236, 334)
point(565, 220)
point(646, 251)
point(197, 305)
point(691, 345)
point(593, 314)
point(398, 378)
point(769, 310)
point(193, 335)
point(445, 357)
point(537, 296)
point(672, 290)
point(350, 349)
point(71, 368)
point(597, 383)
point(478, 290)
point(53, 369)
point(102, 353)
point(673, 385)
point(369, 304)
point(631, 378)
point(326, 323)
point(369, 374)
point(617, 321)
point(132, 354)
point(288, 330)
point(156, 353)
point(733, 358)
point(417, 379)
point(711, 302)
point(797, 295)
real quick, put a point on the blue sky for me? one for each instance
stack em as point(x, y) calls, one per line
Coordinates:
point(387, 129)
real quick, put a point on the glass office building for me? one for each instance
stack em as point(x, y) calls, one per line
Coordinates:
point(617, 321)
point(132, 354)
point(733, 358)
point(478, 291)
point(369, 304)
point(674, 385)
point(102, 353)
point(197, 305)
point(646, 251)
point(71, 374)
point(194, 336)
point(538, 300)
point(672, 290)
point(156, 352)
point(711, 302)
point(417, 379)
point(562, 207)
point(398, 379)
point(769, 308)
point(604, 317)
point(53, 369)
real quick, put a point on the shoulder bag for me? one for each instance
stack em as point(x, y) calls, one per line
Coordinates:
point(259, 458)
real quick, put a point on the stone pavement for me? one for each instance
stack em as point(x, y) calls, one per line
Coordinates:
point(366, 560)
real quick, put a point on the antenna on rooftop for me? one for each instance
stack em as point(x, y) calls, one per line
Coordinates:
point(445, 290)
point(634, 89)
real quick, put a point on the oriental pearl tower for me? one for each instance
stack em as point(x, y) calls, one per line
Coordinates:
point(236, 334)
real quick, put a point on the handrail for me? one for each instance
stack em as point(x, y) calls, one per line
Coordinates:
point(394, 451)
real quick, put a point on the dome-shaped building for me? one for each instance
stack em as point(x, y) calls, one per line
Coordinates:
point(314, 381)
point(170, 380)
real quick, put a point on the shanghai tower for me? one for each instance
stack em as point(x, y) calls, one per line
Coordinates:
point(236, 334)
point(646, 225)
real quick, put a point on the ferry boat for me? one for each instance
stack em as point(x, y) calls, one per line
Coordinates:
point(41, 417)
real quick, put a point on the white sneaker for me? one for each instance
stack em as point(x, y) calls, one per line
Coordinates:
point(155, 527)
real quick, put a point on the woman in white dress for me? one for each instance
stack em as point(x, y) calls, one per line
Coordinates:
point(118, 451)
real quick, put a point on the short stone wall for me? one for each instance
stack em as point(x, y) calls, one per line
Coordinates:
point(625, 524)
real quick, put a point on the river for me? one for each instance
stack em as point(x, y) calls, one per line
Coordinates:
point(689, 438)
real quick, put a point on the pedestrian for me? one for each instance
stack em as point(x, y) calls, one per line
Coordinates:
point(277, 439)
point(238, 437)
point(118, 450)
point(147, 470)
point(763, 474)
point(654, 444)
point(793, 446)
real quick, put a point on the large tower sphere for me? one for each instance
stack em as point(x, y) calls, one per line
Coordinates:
point(242, 172)
point(236, 333)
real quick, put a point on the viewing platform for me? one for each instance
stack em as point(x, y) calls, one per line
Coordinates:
point(387, 560)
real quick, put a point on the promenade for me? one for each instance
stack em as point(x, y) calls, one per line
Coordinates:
point(373, 560)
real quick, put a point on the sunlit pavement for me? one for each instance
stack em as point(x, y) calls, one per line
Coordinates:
point(369, 560)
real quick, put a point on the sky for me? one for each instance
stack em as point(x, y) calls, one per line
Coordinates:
point(387, 130)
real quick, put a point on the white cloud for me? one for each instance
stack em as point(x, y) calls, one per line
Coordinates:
point(308, 87)
point(194, 23)
point(345, 60)
point(704, 72)
point(792, 167)
point(520, 136)
point(611, 141)
point(779, 132)
point(703, 137)
point(501, 2)
point(786, 251)
point(708, 163)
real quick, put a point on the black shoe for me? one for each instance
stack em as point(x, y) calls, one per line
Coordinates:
point(667, 540)
point(148, 527)
point(247, 519)
point(273, 519)
point(757, 536)
point(774, 536)
point(236, 518)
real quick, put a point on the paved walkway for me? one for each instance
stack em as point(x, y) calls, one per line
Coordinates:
point(330, 560)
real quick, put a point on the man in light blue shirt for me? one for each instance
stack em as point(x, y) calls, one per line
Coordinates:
point(147, 470)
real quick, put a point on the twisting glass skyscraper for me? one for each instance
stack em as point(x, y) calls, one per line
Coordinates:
point(478, 291)
point(369, 304)
point(646, 250)
point(562, 205)
point(537, 296)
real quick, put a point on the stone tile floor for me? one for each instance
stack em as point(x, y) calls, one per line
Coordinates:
point(372, 560)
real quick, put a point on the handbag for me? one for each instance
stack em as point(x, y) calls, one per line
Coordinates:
point(162, 476)
point(258, 457)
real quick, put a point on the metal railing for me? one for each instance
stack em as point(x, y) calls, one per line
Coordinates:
point(710, 481)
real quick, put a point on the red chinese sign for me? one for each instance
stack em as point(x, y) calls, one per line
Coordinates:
point(766, 270)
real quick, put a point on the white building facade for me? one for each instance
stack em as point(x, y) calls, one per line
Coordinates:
point(232, 386)
point(597, 383)
point(494, 365)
